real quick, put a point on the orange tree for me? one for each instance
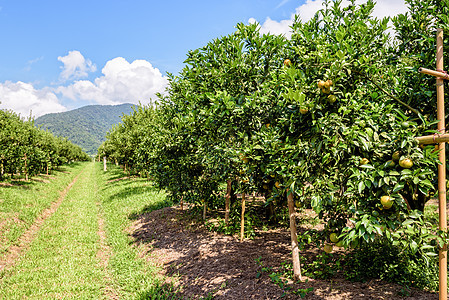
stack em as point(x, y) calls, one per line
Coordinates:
point(28, 150)
point(334, 124)
point(346, 136)
point(210, 113)
point(341, 145)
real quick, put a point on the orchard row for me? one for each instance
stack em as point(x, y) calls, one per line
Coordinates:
point(26, 150)
point(329, 114)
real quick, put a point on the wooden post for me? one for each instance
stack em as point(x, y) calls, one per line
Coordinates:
point(26, 168)
point(104, 164)
point(294, 237)
point(442, 166)
point(440, 138)
point(204, 210)
point(242, 221)
point(228, 200)
point(433, 139)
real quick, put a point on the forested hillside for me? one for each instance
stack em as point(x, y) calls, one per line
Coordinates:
point(85, 126)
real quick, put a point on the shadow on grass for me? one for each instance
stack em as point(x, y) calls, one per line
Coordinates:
point(126, 187)
point(15, 183)
point(149, 208)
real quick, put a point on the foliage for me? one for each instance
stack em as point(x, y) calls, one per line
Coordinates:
point(391, 263)
point(335, 123)
point(27, 150)
point(280, 278)
point(253, 221)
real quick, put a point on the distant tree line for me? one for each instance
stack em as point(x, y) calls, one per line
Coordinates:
point(27, 150)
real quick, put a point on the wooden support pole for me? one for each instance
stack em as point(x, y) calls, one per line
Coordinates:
point(242, 221)
point(26, 167)
point(204, 210)
point(228, 200)
point(441, 167)
point(433, 139)
point(437, 73)
point(294, 237)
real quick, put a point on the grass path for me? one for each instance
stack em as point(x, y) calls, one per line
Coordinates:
point(21, 203)
point(79, 248)
point(29, 235)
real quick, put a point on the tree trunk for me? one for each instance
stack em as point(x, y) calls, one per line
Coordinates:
point(242, 221)
point(105, 168)
point(182, 202)
point(228, 200)
point(294, 237)
point(233, 195)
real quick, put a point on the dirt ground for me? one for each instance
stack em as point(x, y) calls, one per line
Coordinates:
point(203, 263)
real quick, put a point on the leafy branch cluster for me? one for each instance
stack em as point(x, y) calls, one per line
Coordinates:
point(28, 150)
point(330, 115)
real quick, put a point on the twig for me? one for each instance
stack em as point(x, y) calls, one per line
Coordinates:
point(388, 94)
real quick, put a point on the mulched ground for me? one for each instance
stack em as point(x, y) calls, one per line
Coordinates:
point(202, 263)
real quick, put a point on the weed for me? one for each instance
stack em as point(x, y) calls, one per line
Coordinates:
point(280, 278)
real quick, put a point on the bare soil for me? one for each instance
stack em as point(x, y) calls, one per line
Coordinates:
point(202, 263)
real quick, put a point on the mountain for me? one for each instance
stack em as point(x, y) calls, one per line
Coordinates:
point(86, 126)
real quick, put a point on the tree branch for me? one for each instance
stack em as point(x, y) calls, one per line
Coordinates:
point(388, 94)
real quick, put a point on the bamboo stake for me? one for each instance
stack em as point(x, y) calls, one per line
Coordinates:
point(26, 168)
point(204, 210)
point(294, 237)
point(433, 139)
point(228, 200)
point(242, 222)
point(439, 74)
point(441, 167)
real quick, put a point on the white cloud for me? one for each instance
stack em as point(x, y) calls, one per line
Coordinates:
point(282, 3)
point(23, 98)
point(32, 62)
point(75, 66)
point(390, 8)
point(122, 82)
point(307, 10)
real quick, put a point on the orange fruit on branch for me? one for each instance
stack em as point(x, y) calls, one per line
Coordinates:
point(328, 248)
point(386, 202)
point(406, 163)
point(287, 63)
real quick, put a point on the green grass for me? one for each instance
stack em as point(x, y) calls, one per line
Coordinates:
point(122, 201)
point(22, 202)
point(63, 261)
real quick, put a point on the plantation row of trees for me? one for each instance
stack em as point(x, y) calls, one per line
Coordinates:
point(27, 150)
point(328, 116)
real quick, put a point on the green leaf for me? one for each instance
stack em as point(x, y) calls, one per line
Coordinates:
point(361, 187)
point(399, 186)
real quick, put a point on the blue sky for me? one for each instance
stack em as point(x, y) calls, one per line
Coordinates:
point(59, 55)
